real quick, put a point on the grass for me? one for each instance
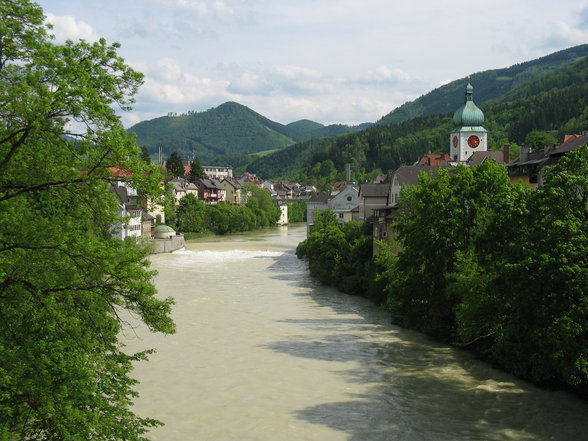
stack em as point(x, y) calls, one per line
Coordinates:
point(189, 235)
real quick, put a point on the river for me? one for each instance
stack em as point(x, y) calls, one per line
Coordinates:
point(263, 352)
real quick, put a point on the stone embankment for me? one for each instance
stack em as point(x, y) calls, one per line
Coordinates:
point(167, 245)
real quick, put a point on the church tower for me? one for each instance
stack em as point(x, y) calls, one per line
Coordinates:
point(468, 136)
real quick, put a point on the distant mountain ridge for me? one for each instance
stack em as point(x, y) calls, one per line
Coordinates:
point(228, 129)
point(554, 100)
point(488, 85)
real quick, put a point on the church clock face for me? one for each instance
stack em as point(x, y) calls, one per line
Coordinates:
point(473, 141)
point(455, 141)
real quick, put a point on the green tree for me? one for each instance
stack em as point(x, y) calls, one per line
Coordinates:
point(174, 165)
point(64, 280)
point(145, 156)
point(260, 202)
point(323, 219)
point(325, 249)
point(441, 221)
point(341, 255)
point(192, 214)
point(196, 171)
point(538, 139)
point(169, 208)
point(297, 212)
point(544, 336)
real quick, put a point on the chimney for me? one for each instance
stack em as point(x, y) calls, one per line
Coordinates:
point(348, 172)
point(525, 152)
point(506, 153)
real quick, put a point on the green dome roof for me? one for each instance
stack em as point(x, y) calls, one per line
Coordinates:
point(163, 229)
point(469, 114)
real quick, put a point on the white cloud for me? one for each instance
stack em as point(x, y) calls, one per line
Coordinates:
point(562, 34)
point(202, 10)
point(172, 88)
point(67, 27)
point(584, 18)
point(330, 60)
point(249, 83)
point(385, 74)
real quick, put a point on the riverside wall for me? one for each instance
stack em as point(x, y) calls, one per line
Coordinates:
point(174, 243)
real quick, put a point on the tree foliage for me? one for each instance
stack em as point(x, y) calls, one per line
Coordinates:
point(297, 212)
point(174, 165)
point(499, 268)
point(145, 156)
point(341, 255)
point(64, 279)
point(192, 215)
point(543, 326)
point(196, 171)
point(259, 201)
point(443, 218)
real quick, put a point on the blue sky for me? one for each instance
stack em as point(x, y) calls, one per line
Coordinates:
point(332, 61)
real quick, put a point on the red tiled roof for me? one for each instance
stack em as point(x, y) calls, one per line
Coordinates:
point(568, 138)
point(119, 172)
point(434, 159)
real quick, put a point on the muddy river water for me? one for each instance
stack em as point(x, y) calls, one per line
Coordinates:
point(263, 352)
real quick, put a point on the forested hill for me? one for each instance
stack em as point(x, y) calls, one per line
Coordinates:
point(230, 128)
point(554, 102)
point(489, 85)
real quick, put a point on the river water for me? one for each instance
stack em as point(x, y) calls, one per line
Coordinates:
point(262, 352)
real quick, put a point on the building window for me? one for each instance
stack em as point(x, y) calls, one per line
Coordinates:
point(341, 216)
point(349, 198)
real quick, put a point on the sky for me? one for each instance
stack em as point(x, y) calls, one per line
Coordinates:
point(330, 61)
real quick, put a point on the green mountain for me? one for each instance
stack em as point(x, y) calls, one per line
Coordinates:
point(227, 132)
point(305, 129)
point(304, 126)
point(228, 128)
point(554, 101)
point(489, 85)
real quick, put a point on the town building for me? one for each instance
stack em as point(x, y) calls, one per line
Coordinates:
point(180, 187)
point(345, 205)
point(217, 172)
point(210, 191)
point(528, 167)
point(233, 189)
point(372, 197)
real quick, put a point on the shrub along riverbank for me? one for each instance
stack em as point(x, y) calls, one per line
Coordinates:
point(196, 219)
point(483, 264)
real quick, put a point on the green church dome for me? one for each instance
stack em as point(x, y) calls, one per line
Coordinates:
point(163, 229)
point(469, 114)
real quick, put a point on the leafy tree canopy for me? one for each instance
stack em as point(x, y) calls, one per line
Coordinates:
point(174, 165)
point(196, 171)
point(538, 139)
point(64, 279)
